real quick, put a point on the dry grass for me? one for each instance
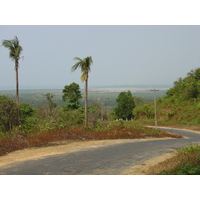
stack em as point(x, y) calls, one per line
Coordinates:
point(78, 134)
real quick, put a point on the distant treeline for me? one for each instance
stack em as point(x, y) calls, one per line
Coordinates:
point(37, 98)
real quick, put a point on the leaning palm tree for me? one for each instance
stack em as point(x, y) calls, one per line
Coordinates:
point(84, 65)
point(15, 51)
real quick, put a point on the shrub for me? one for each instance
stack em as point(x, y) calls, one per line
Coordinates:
point(7, 114)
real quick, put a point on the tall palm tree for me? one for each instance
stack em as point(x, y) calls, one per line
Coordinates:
point(15, 51)
point(84, 65)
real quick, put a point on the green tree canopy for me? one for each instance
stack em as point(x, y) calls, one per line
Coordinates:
point(72, 93)
point(7, 113)
point(186, 88)
point(125, 107)
point(25, 110)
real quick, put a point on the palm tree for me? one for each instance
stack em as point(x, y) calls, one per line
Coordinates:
point(84, 65)
point(15, 51)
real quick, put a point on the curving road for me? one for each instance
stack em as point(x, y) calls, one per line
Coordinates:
point(107, 160)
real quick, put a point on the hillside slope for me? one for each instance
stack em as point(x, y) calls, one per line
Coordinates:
point(180, 105)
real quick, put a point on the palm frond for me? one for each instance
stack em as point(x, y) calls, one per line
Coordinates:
point(77, 58)
point(74, 67)
point(7, 43)
point(87, 63)
point(14, 47)
point(83, 77)
point(78, 64)
point(84, 65)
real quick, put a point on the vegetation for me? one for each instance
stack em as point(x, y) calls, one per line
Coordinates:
point(112, 130)
point(125, 106)
point(36, 97)
point(15, 51)
point(188, 162)
point(7, 114)
point(180, 104)
point(186, 88)
point(84, 65)
point(49, 97)
point(72, 93)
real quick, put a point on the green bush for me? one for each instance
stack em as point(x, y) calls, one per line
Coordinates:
point(145, 111)
point(189, 169)
point(29, 125)
point(7, 114)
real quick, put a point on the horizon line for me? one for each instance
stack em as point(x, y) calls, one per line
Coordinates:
point(92, 86)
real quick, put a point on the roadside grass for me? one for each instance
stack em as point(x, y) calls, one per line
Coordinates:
point(112, 130)
point(185, 162)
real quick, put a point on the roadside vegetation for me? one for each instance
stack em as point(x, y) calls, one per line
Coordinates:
point(77, 117)
point(189, 162)
point(106, 131)
point(186, 161)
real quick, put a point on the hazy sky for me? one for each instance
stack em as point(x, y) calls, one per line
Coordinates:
point(122, 55)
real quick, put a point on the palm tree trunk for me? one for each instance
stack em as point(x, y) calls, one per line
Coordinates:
point(86, 101)
point(17, 93)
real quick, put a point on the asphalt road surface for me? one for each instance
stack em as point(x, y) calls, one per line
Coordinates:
point(107, 160)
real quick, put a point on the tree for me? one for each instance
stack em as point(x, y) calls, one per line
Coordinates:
point(52, 104)
point(15, 51)
point(84, 65)
point(125, 107)
point(7, 113)
point(73, 94)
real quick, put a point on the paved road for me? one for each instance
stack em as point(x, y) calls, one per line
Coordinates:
point(112, 160)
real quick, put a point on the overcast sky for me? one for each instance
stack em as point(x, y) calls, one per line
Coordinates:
point(122, 55)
